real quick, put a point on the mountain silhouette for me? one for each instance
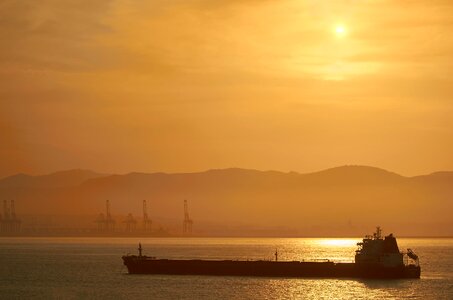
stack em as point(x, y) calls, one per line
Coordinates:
point(57, 179)
point(347, 196)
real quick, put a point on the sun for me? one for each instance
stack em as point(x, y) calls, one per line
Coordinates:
point(340, 30)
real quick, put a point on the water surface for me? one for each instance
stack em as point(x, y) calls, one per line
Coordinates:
point(87, 268)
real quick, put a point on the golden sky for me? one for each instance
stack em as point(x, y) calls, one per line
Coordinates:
point(188, 85)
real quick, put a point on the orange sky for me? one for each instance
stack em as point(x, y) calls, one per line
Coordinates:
point(187, 85)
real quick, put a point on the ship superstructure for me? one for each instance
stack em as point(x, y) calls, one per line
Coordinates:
point(376, 253)
point(383, 251)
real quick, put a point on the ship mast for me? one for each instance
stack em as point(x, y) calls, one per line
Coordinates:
point(378, 234)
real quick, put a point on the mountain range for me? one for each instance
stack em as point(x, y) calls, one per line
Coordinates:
point(336, 201)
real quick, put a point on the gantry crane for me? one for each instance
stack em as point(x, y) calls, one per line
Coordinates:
point(146, 220)
point(187, 223)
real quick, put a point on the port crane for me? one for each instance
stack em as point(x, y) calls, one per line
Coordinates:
point(187, 223)
point(146, 220)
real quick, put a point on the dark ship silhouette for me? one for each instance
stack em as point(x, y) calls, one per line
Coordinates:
point(376, 257)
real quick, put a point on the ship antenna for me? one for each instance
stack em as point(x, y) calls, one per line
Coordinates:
point(140, 249)
point(378, 232)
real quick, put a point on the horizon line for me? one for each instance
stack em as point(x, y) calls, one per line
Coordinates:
point(218, 169)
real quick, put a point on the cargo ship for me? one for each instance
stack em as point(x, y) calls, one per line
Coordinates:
point(376, 257)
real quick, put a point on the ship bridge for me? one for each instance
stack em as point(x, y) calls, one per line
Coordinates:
point(382, 251)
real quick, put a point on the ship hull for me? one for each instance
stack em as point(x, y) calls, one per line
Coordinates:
point(141, 265)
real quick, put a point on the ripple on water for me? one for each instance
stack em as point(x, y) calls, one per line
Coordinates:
point(85, 268)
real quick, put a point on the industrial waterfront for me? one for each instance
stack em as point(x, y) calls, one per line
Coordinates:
point(104, 224)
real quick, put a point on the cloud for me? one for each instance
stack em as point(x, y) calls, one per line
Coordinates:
point(155, 77)
point(52, 35)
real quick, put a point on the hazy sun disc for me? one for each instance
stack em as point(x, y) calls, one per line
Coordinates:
point(340, 30)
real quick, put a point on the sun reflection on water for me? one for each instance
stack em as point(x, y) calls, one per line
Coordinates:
point(338, 242)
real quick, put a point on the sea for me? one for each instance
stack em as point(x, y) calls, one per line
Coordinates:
point(91, 268)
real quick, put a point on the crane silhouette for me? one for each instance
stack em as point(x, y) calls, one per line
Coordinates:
point(187, 223)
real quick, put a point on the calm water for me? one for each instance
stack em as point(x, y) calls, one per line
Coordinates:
point(84, 268)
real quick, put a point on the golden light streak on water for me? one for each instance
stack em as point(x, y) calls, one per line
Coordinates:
point(339, 242)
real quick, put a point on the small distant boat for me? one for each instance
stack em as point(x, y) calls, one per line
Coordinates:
point(376, 257)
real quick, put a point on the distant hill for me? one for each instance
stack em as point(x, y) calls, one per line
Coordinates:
point(355, 175)
point(342, 200)
point(57, 179)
